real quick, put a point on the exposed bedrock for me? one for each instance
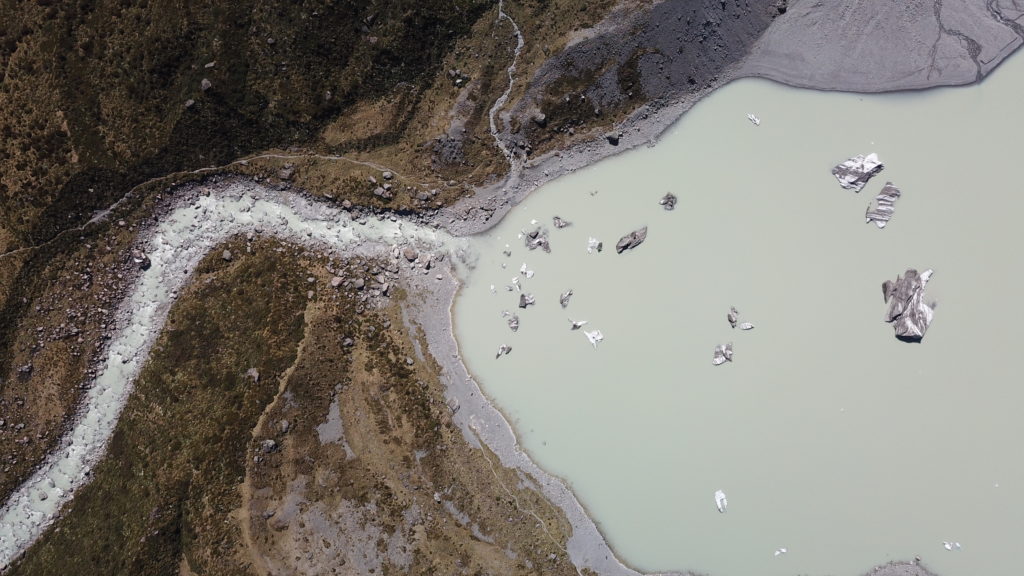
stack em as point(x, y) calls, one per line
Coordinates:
point(638, 55)
point(880, 45)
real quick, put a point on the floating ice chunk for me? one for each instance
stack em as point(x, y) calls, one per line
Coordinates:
point(754, 119)
point(721, 501)
point(564, 298)
point(746, 326)
point(854, 173)
point(577, 324)
point(723, 354)
point(594, 337)
point(781, 551)
point(504, 349)
point(733, 316)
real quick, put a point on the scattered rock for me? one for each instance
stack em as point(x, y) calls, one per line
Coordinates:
point(908, 312)
point(884, 202)
point(284, 426)
point(286, 172)
point(387, 175)
point(613, 138)
point(140, 258)
point(268, 446)
point(190, 103)
point(205, 84)
point(668, 201)
point(336, 281)
point(347, 342)
point(226, 255)
point(359, 283)
point(526, 300)
point(540, 119)
point(631, 240)
point(410, 253)
point(855, 172)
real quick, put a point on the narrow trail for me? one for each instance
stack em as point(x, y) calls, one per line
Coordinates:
point(515, 166)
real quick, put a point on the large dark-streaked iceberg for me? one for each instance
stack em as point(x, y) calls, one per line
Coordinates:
point(908, 313)
point(855, 172)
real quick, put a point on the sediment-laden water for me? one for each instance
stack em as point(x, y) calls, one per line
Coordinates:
point(831, 438)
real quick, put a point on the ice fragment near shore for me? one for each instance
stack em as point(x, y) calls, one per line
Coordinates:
point(909, 314)
point(884, 205)
point(855, 172)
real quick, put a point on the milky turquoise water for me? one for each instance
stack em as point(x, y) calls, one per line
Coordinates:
point(830, 437)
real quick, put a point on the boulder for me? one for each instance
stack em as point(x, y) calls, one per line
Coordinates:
point(909, 314)
point(140, 258)
point(613, 138)
point(855, 172)
point(631, 240)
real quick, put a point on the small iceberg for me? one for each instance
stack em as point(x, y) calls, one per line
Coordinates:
point(754, 119)
point(720, 501)
point(594, 337)
point(854, 173)
point(723, 354)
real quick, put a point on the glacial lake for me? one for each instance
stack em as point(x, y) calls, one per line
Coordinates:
point(831, 438)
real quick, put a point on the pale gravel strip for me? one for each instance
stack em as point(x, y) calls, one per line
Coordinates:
point(175, 245)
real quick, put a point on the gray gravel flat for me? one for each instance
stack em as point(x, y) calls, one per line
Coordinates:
point(882, 45)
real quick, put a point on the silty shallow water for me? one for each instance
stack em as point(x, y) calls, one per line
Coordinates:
point(831, 438)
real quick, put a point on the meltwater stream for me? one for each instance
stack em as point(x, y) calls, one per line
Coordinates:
point(831, 438)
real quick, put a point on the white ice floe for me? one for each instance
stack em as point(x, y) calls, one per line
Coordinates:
point(781, 551)
point(754, 119)
point(594, 337)
point(721, 501)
